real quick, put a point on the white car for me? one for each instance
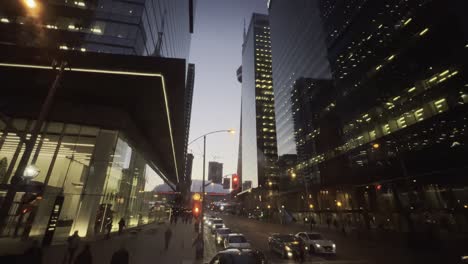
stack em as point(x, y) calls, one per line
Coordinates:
point(236, 241)
point(215, 221)
point(316, 243)
point(216, 227)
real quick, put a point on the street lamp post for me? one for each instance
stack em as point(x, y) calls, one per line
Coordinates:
point(203, 179)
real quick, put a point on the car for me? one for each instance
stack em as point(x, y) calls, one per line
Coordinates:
point(216, 227)
point(208, 221)
point(216, 221)
point(236, 240)
point(239, 256)
point(221, 234)
point(316, 243)
point(288, 246)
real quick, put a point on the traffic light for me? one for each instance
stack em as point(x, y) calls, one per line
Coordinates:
point(196, 209)
point(226, 183)
point(235, 182)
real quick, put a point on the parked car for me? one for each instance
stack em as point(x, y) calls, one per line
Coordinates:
point(239, 256)
point(216, 227)
point(316, 243)
point(221, 234)
point(288, 246)
point(236, 241)
point(215, 221)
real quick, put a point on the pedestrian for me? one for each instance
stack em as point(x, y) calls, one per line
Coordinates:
point(120, 256)
point(121, 225)
point(33, 255)
point(312, 223)
point(198, 244)
point(197, 226)
point(73, 244)
point(335, 223)
point(328, 222)
point(85, 256)
point(167, 237)
point(108, 228)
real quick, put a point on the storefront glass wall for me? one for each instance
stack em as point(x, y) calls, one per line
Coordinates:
point(101, 176)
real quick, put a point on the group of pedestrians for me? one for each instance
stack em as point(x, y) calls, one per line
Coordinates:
point(185, 216)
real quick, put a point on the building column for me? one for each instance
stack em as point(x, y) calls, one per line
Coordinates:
point(94, 185)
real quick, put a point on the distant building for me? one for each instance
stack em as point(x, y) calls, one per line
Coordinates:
point(246, 185)
point(258, 130)
point(188, 173)
point(215, 172)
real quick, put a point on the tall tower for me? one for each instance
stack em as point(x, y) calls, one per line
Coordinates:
point(259, 151)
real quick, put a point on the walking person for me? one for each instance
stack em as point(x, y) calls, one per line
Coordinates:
point(335, 224)
point(121, 225)
point(73, 244)
point(328, 222)
point(108, 228)
point(312, 223)
point(121, 256)
point(85, 256)
point(167, 238)
point(33, 255)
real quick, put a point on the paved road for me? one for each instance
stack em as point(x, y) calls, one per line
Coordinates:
point(349, 249)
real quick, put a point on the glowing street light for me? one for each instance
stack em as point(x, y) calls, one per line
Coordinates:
point(311, 206)
point(376, 145)
point(339, 204)
point(30, 3)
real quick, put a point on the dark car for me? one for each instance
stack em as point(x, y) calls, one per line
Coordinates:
point(288, 246)
point(239, 256)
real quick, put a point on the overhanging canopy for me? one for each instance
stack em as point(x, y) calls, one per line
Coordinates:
point(141, 96)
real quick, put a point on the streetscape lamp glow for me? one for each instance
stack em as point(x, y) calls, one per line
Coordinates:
point(30, 3)
point(339, 204)
point(31, 172)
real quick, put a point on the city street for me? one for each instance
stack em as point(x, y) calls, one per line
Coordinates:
point(349, 249)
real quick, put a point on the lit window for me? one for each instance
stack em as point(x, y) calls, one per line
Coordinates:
point(423, 32)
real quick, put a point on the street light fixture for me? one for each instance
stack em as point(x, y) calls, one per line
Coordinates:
point(230, 131)
point(31, 4)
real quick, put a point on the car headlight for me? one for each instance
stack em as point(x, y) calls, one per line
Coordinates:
point(306, 248)
point(317, 245)
point(334, 246)
point(287, 248)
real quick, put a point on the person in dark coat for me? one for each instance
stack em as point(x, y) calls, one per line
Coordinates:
point(85, 256)
point(167, 237)
point(121, 225)
point(121, 256)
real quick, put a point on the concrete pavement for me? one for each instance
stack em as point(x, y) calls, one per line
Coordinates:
point(144, 246)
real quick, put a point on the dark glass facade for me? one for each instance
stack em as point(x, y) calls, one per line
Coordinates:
point(259, 151)
point(137, 27)
point(299, 50)
point(389, 134)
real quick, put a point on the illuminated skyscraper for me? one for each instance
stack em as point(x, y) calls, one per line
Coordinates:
point(259, 151)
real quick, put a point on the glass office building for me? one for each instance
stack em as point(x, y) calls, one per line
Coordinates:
point(299, 51)
point(390, 137)
point(101, 176)
point(135, 27)
point(259, 151)
point(103, 147)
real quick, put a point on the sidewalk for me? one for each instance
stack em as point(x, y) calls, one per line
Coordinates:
point(145, 246)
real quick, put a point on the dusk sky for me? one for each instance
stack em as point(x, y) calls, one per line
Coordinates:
point(216, 51)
